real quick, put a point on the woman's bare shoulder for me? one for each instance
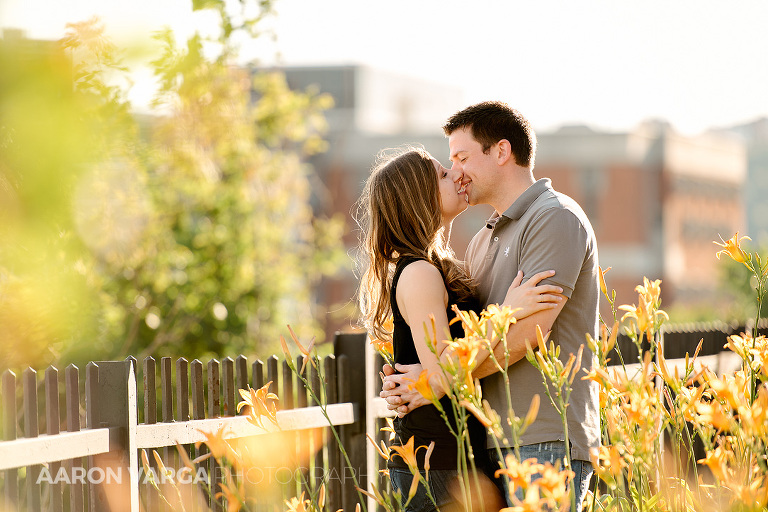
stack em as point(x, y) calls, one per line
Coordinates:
point(420, 277)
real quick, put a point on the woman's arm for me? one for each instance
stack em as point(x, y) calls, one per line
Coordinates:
point(530, 298)
point(421, 296)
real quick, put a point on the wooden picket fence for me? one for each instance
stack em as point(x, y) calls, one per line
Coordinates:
point(118, 410)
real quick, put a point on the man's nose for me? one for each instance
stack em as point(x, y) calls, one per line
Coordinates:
point(455, 174)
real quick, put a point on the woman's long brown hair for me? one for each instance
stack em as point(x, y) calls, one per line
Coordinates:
point(399, 213)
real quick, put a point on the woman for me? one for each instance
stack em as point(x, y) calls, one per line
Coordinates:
point(407, 208)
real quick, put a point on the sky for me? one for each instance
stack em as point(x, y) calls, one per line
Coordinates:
point(609, 64)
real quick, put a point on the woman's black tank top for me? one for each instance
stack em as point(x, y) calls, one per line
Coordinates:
point(425, 423)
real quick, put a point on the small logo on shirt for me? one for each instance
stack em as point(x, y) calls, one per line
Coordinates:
point(506, 252)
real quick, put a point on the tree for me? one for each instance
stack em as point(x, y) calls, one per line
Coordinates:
point(196, 237)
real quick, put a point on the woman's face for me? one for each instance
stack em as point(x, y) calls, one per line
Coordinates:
point(452, 203)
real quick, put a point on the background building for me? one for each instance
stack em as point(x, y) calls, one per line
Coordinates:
point(656, 199)
point(755, 136)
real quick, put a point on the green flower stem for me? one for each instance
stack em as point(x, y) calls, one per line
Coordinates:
point(323, 409)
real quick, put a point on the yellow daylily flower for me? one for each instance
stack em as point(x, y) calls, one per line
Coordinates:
point(717, 461)
point(500, 318)
point(645, 315)
point(519, 473)
point(423, 386)
point(383, 347)
point(603, 287)
point(608, 462)
point(470, 321)
point(305, 351)
point(477, 413)
point(234, 494)
point(297, 504)
point(650, 290)
point(464, 351)
point(531, 503)
point(553, 484)
point(260, 403)
point(732, 248)
point(218, 446)
point(389, 324)
point(713, 414)
point(754, 494)
point(408, 454)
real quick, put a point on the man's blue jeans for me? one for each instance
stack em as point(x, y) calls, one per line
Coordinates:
point(548, 452)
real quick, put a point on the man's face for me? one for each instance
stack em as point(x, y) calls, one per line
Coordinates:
point(474, 170)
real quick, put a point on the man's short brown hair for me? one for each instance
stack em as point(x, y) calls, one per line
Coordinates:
point(491, 121)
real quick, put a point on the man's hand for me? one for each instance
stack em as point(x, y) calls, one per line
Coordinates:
point(395, 388)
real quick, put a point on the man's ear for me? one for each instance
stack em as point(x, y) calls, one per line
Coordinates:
point(504, 151)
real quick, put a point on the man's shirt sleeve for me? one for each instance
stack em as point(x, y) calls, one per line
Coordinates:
point(555, 240)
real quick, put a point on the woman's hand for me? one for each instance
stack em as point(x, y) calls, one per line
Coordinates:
point(395, 388)
point(529, 298)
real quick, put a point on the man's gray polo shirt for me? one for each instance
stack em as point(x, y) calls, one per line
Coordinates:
point(544, 230)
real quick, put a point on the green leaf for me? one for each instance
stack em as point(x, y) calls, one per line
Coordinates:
point(198, 5)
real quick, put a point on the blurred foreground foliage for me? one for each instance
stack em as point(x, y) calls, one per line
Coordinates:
point(188, 233)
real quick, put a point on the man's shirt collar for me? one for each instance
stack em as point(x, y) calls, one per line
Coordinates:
point(522, 203)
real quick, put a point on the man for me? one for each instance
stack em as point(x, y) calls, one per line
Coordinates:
point(534, 228)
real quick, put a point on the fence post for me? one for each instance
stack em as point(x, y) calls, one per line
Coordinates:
point(53, 426)
point(11, 489)
point(350, 348)
point(29, 386)
point(335, 468)
point(116, 399)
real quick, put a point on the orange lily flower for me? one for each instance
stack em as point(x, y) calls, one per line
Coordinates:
point(297, 504)
point(733, 249)
point(519, 473)
point(423, 386)
point(717, 462)
point(232, 493)
point(305, 351)
point(389, 324)
point(477, 413)
point(408, 454)
point(650, 290)
point(531, 503)
point(603, 287)
point(713, 414)
point(383, 347)
point(216, 443)
point(465, 351)
point(260, 404)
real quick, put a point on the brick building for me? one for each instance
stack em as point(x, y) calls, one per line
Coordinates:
point(656, 199)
